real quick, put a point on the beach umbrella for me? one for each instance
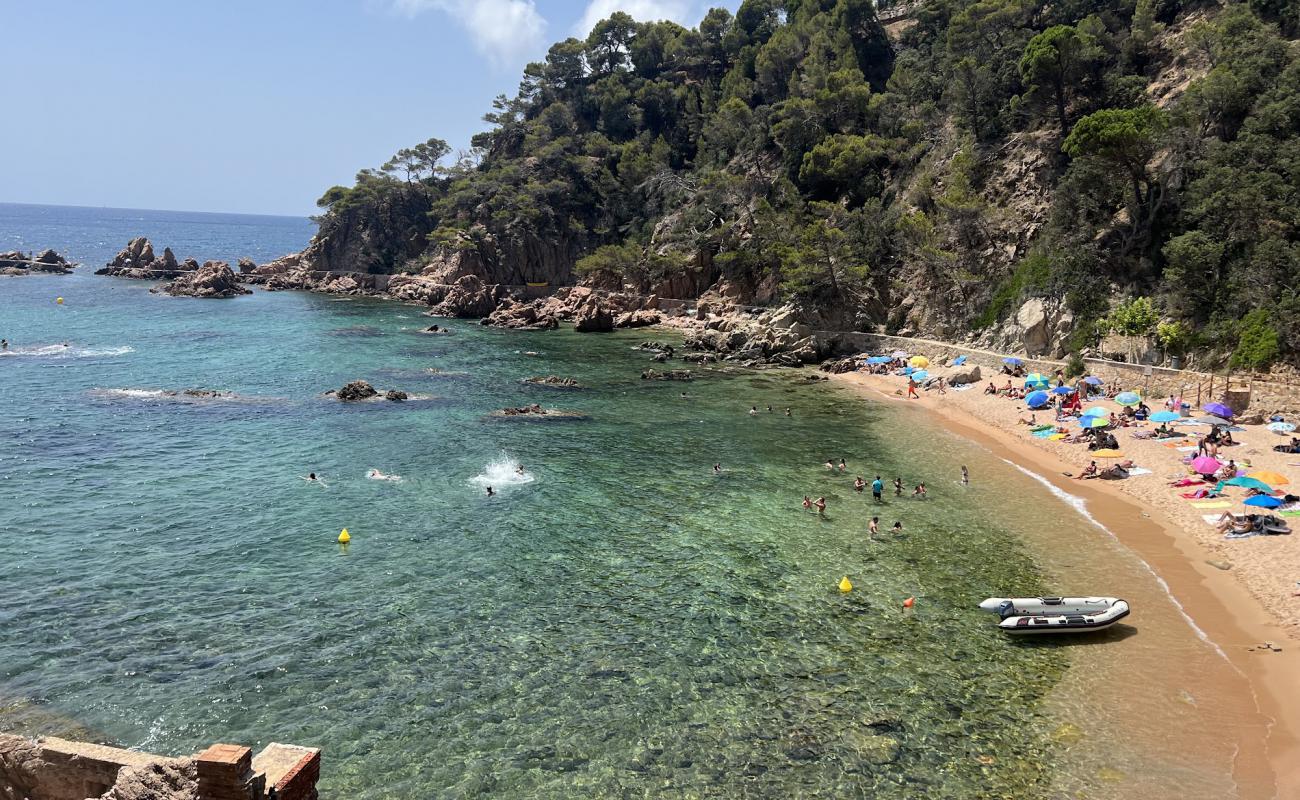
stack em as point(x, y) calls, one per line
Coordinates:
point(1013, 361)
point(1263, 501)
point(958, 361)
point(1218, 410)
point(1063, 390)
point(1206, 465)
point(1093, 380)
point(1037, 399)
point(1165, 416)
point(1037, 380)
point(879, 360)
point(1128, 398)
point(1270, 477)
point(919, 361)
point(1093, 422)
point(1106, 454)
point(920, 375)
point(1097, 411)
point(1247, 482)
point(1281, 427)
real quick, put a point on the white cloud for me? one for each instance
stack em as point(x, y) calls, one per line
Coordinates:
point(678, 11)
point(506, 31)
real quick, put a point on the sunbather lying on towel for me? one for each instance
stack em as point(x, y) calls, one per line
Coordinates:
point(1236, 523)
point(1187, 482)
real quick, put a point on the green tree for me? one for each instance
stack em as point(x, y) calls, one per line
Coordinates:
point(1257, 342)
point(1053, 64)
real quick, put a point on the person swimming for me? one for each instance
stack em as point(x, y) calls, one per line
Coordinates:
point(821, 506)
point(787, 412)
point(717, 469)
point(311, 477)
point(753, 410)
point(898, 487)
point(859, 484)
point(965, 476)
point(830, 465)
point(807, 503)
point(874, 526)
point(490, 493)
point(376, 475)
point(4, 344)
point(843, 466)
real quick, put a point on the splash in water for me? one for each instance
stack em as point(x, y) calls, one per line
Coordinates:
point(65, 351)
point(503, 471)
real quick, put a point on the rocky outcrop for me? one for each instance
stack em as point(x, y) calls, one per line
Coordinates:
point(593, 317)
point(667, 375)
point(246, 265)
point(396, 395)
point(535, 411)
point(356, 390)
point(214, 279)
point(839, 366)
point(137, 260)
point(468, 297)
point(16, 262)
point(521, 316)
point(1040, 328)
point(637, 319)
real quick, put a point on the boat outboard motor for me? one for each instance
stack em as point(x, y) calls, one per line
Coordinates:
point(1006, 609)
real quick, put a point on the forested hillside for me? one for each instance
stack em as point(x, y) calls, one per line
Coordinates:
point(1123, 167)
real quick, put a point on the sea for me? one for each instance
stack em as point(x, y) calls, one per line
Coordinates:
point(617, 619)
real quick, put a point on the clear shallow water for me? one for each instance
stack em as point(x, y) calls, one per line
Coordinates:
point(625, 624)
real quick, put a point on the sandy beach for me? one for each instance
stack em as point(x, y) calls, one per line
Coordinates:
point(1251, 602)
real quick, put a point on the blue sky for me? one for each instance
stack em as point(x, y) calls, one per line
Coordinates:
point(256, 106)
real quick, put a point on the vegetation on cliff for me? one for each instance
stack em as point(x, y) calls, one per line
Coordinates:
point(791, 150)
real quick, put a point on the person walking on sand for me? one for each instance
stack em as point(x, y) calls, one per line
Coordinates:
point(877, 489)
point(939, 383)
point(898, 487)
point(965, 476)
point(911, 389)
point(873, 528)
point(859, 484)
point(821, 506)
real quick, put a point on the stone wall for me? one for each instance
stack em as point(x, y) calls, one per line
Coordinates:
point(50, 768)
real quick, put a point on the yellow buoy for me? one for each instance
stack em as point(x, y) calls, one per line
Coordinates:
point(845, 584)
point(58, 300)
point(344, 537)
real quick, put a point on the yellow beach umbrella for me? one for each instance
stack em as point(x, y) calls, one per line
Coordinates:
point(920, 362)
point(1269, 477)
point(1106, 454)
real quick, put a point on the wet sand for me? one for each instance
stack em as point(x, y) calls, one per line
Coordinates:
point(1240, 699)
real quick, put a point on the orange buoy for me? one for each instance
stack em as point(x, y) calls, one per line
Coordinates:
point(909, 602)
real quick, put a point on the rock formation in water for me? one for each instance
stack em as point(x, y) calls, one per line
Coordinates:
point(667, 375)
point(554, 381)
point(356, 390)
point(214, 279)
point(16, 262)
point(535, 411)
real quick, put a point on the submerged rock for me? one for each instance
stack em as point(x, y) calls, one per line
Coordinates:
point(667, 375)
point(214, 279)
point(535, 411)
point(396, 395)
point(554, 381)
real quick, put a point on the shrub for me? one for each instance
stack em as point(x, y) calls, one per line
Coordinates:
point(1257, 345)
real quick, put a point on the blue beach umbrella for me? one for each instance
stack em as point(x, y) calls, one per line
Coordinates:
point(1263, 501)
point(1093, 380)
point(1165, 416)
point(1281, 427)
point(1013, 361)
point(1093, 422)
point(879, 360)
point(1097, 411)
point(920, 375)
point(1037, 399)
point(1128, 398)
point(1063, 390)
point(1037, 380)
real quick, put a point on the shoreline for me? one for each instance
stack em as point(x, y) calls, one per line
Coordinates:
point(1218, 606)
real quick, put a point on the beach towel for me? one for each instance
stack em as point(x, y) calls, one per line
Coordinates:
point(1056, 437)
point(1246, 535)
point(1043, 434)
point(1134, 472)
point(1295, 513)
point(1213, 519)
point(962, 387)
point(1199, 494)
point(1038, 428)
point(958, 361)
point(1212, 504)
point(1191, 449)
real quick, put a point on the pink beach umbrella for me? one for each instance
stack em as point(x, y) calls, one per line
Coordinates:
point(1205, 465)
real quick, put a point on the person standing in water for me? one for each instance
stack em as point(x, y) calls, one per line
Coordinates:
point(843, 466)
point(898, 527)
point(490, 492)
point(807, 503)
point(4, 344)
point(965, 476)
point(859, 484)
point(830, 465)
point(821, 506)
point(787, 411)
point(877, 489)
point(874, 527)
point(898, 487)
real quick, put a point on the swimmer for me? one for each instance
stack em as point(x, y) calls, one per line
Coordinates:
point(753, 410)
point(843, 466)
point(787, 412)
point(376, 475)
point(898, 487)
point(821, 506)
point(859, 484)
point(877, 489)
point(490, 493)
point(830, 465)
point(4, 345)
point(807, 503)
point(898, 527)
point(311, 478)
point(874, 527)
point(519, 470)
point(769, 409)
point(965, 476)
point(717, 469)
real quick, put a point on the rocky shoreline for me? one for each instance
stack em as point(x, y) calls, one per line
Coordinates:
point(16, 262)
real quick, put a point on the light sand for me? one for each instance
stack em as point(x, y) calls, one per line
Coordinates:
point(1239, 608)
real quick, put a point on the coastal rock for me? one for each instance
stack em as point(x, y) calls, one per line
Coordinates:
point(214, 280)
point(396, 395)
point(839, 366)
point(356, 390)
point(554, 381)
point(16, 262)
point(137, 260)
point(535, 411)
point(667, 375)
point(957, 376)
point(468, 297)
point(521, 316)
point(245, 266)
point(593, 317)
point(637, 319)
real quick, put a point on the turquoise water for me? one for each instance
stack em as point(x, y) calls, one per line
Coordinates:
point(626, 624)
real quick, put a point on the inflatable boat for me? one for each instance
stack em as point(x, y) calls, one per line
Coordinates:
point(1039, 615)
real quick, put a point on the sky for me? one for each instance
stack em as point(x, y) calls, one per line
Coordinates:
point(257, 106)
